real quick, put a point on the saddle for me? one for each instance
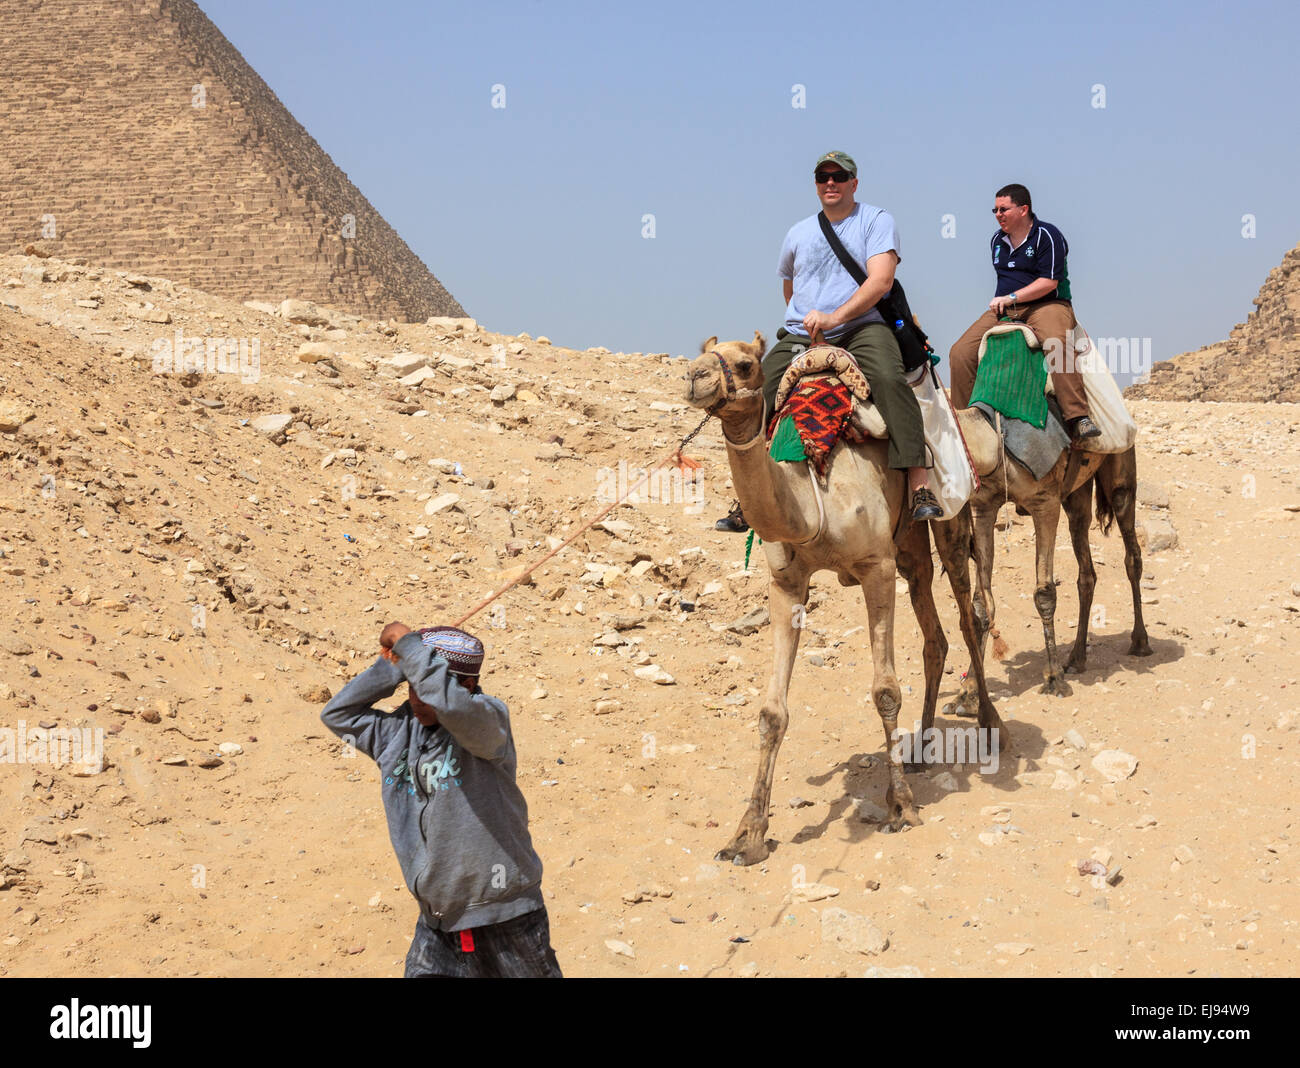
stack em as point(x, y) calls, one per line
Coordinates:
point(823, 399)
point(1015, 381)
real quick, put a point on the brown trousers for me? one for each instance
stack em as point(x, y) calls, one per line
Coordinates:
point(1053, 322)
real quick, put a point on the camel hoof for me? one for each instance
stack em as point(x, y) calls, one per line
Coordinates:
point(960, 708)
point(1055, 686)
point(1142, 648)
point(905, 820)
point(1073, 668)
point(743, 857)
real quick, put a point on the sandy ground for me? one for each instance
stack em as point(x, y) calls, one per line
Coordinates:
point(178, 580)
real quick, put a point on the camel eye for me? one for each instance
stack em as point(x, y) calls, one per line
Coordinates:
point(745, 366)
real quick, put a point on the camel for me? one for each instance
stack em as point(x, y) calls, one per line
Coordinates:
point(1070, 481)
point(851, 533)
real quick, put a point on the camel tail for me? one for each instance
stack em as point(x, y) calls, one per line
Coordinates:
point(1105, 508)
point(1000, 647)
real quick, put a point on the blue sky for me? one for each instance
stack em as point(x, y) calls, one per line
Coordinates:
point(532, 214)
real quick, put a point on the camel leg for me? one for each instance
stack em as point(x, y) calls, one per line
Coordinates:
point(878, 589)
point(954, 540)
point(1047, 516)
point(784, 593)
point(1078, 509)
point(1120, 486)
point(917, 566)
point(984, 517)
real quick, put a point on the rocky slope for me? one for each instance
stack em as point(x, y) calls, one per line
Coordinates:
point(1259, 361)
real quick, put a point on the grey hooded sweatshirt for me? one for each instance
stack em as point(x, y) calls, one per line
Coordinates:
point(456, 818)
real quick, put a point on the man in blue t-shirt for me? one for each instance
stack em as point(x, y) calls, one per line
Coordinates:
point(1033, 288)
point(821, 297)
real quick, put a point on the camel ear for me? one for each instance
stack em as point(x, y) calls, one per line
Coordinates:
point(760, 344)
point(706, 345)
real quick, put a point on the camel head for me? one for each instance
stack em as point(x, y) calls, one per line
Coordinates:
point(727, 377)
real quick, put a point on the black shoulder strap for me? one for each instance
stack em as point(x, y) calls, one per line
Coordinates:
point(893, 306)
point(832, 239)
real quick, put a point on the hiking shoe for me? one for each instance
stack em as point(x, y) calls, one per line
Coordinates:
point(1084, 428)
point(925, 506)
point(733, 522)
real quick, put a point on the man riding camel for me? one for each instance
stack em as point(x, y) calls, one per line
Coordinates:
point(822, 297)
point(1033, 288)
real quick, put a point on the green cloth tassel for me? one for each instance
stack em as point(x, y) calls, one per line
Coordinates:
point(786, 443)
point(749, 546)
point(1011, 379)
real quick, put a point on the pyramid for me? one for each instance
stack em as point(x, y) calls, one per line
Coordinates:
point(136, 136)
point(1258, 360)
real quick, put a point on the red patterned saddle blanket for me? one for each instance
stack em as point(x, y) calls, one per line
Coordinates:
point(819, 392)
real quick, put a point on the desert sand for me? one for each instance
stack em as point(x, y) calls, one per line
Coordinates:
point(182, 580)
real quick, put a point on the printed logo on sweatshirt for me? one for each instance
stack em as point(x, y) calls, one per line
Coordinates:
point(440, 772)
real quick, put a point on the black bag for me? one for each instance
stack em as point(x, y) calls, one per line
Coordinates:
point(912, 340)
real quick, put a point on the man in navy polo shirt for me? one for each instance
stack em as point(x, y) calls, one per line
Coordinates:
point(1033, 288)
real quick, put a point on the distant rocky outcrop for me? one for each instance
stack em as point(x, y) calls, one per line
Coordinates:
point(1259, 360)
point(137, 137)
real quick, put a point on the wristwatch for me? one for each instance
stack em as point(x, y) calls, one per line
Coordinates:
point(1015, 297)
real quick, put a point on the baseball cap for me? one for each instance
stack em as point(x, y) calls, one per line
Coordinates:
point(842, 159)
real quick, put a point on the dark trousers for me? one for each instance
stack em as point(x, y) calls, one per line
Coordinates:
point(1053, 322)
point(515, 949)
point(876, 350)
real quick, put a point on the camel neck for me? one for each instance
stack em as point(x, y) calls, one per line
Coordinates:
point(766, 497)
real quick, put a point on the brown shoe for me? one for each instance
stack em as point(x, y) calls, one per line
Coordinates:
point(925, 506)
point(1083, 427)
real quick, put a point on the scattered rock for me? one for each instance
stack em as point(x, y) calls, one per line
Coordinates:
point(852, 932)
point(273, 426)
point(621, 949)
point(807, 892)
point(870, 812)
point(1013, 949)
point(1115, 764)
point(751, 621)
point(903, 971)
point(1157, 534)
point(13, 415)
point(314, 351)
point(442, 503)
point(303, 311)
point(654, 673)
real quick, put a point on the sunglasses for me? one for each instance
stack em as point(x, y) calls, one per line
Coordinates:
point(839, 177)
point(1004, 211)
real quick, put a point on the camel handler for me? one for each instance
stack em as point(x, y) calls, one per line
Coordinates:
point(456, 817)
point(821, 296)
point(1033, 288)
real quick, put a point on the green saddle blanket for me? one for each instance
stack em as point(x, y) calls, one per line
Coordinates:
point(786, 443)
point(1012, 378)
